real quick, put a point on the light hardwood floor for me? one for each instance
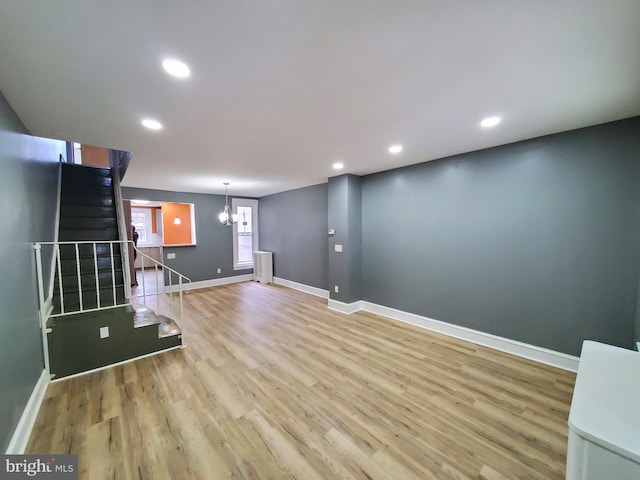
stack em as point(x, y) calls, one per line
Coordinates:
point(274, 385)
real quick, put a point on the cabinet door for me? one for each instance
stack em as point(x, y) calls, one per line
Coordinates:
point(605, 464)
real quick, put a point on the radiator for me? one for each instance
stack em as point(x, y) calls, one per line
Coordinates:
point(263, 267)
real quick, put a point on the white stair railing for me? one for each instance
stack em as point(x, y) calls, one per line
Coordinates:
point(170, 290)
point(93, 299)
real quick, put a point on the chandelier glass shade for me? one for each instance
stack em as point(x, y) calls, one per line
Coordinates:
point(227, 218)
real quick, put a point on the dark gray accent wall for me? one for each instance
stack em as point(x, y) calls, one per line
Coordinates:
point(293, 225)
point(28, 204)
point(345, 218)
point(536, 241)
point(214, 247)
point(75, 345)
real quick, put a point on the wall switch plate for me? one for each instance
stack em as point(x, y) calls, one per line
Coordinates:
point(332, 231)
point(338, 248)
point(219, 270)
point(336, 289)
point(171, 256)
point(104, 332)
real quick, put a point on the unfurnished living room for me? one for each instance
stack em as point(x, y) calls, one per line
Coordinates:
point(320, 239)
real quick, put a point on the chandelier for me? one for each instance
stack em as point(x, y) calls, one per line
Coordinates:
point(226, 217)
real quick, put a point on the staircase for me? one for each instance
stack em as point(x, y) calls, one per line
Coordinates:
point(88, 320)
point(88, 215)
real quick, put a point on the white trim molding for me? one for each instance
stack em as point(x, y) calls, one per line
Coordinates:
point(318, 292)
point(214, 282)
point(255, 234)
point(20, 438)
point(514, 347)
point(347, 308)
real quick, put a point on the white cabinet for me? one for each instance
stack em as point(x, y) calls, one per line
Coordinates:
point(604, 421)
point(154, 252)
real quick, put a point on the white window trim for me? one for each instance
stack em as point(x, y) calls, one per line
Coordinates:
point(148, 224)
point(245, 202)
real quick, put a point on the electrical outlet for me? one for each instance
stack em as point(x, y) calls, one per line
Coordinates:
point(219, 270)
point(336, 289)
point(104, 332)
point(338, 248)
point(171, 256)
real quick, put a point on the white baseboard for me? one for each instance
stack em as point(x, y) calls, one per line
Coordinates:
point(214, 282)
point(342, 307)
point(130, 360)
point(318, 292)
point(638, 346)
point(20, 439)
point(514, 347)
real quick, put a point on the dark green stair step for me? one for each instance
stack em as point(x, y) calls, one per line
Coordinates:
point(84, 235)
point(87, 223)
point(86, 250)
point(87, 211)
point(71, 198)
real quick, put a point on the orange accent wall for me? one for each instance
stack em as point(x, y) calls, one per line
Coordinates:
point(176, 234)
point(95, 156)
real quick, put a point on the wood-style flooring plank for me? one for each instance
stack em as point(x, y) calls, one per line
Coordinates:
point(273, 385)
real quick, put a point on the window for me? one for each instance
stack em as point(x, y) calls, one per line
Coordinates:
point(245, 232)
point(141, 219)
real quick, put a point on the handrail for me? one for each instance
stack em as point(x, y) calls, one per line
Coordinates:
point(160, 263)
point(85, 272)
point(170, 290)
point(124, 230)
point(87, 242)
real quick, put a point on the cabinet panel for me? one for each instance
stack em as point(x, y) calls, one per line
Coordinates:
point(153, 252)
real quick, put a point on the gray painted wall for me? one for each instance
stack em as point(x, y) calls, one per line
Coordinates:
point(354, 253)
point(536, 241)
point(345, 217)
point(28, 203)
point(293, 225)
point(214, 247)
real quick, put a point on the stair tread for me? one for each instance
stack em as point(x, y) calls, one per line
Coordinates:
point(77, 186)
point(89, 235)
point(168, 327)
point(144, 316)
point(71, 210)
point(73, 199)
point(84, 272)
point(86, 229)
point(88, 290)
point(86, 168)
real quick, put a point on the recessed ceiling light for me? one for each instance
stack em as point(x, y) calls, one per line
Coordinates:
point(338, 166)
point(490, 122)
point(395, 149)
point(176, 68)
point(151, 124)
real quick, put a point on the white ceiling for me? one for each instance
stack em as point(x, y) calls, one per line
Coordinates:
point(281, 89)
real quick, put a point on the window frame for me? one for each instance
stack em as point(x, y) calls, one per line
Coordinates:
point(147, 224)
point(253, 204)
